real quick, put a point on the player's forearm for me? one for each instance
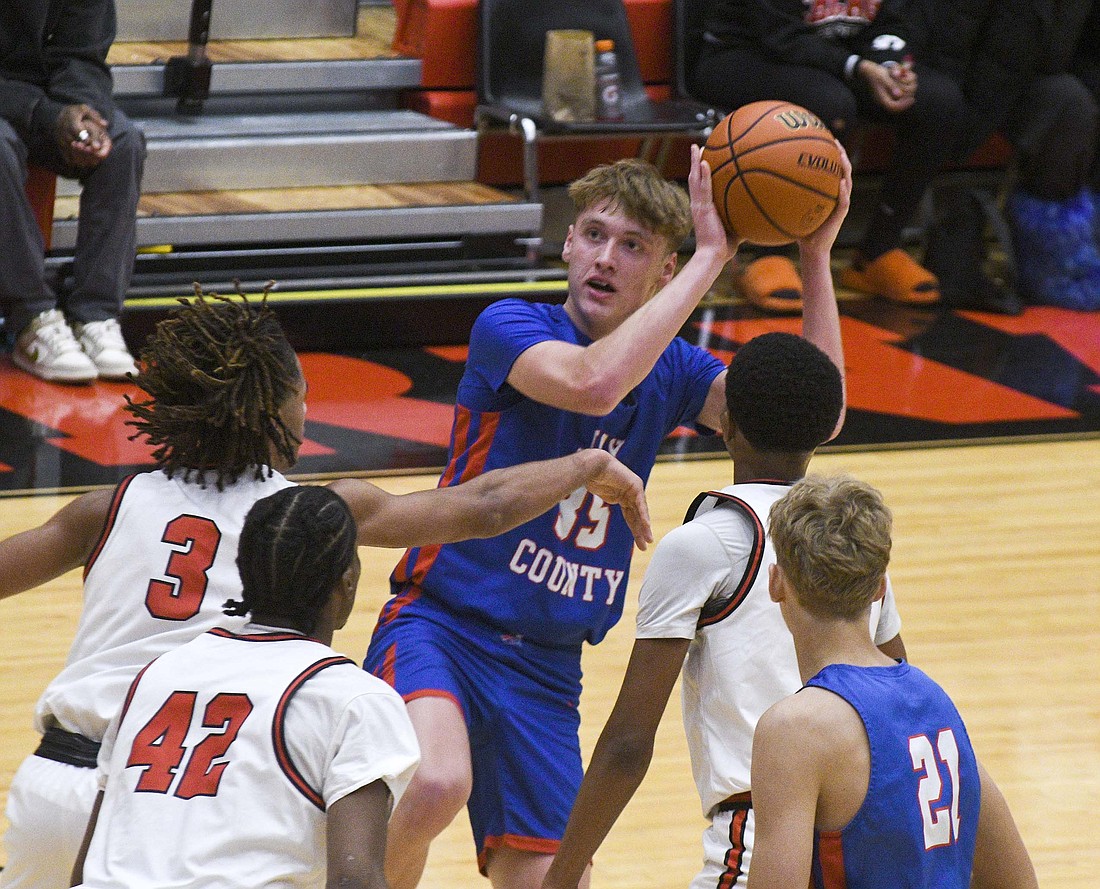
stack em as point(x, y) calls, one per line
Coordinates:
point(820, 315)
point(623, 358)
point(613, 776)
point(509, 497)
point(491, 503)
point(77, 876)
point(377, 880)
point(35, 557)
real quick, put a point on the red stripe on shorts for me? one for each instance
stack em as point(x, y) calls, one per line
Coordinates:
point(735, 857)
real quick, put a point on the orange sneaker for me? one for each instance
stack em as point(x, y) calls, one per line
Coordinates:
point(896, 276)
point(772, 283)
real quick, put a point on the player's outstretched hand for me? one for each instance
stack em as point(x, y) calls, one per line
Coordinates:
point(709, 231)
point(615, 483)
point(823, 237)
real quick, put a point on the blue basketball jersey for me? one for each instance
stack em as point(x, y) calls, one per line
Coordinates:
point(559, 579)
point(917, 826)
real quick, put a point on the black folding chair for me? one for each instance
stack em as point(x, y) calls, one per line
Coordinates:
point(687, 42)
point(512, 36)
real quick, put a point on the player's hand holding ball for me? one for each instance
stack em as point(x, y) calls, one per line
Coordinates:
point(711, 231)
point(776, 172)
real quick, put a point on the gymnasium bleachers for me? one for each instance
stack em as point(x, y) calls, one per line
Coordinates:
point(342, 157)
point(302, 165)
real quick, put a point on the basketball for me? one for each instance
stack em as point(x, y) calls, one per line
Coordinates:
point(775, 171)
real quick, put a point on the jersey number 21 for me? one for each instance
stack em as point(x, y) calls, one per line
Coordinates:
point(941, 824)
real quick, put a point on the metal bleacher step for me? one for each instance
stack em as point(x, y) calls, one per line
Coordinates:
point(289, 111)
point(301, 166)
point(294, 76)
point(363, 61)
point(280, 150)
point(341, 213)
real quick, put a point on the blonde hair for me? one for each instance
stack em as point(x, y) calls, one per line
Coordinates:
point(641, 192)
point(832, 541)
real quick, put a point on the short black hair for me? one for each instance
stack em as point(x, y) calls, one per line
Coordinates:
point(294, 547)
point(783, 393)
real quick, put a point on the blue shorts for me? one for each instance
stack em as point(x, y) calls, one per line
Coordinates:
point(520, 704)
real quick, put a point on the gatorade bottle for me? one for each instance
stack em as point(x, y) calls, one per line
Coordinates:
point(609, 97)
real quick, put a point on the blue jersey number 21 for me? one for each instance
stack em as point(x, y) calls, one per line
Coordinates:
point(941, 823)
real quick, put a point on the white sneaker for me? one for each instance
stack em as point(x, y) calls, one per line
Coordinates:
point(48, 349)
point(103, 343)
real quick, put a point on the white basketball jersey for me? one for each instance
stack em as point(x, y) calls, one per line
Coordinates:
point(210, 783)
point(158, 577)
point(712, 587)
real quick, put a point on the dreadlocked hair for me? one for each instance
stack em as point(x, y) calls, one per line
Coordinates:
point(217, 372)
point(293, 549)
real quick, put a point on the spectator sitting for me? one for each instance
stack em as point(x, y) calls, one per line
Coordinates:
point(841, 66)
point(1012, 62)
point(56, 111)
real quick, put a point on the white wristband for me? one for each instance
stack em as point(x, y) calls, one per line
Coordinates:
point(850, 66)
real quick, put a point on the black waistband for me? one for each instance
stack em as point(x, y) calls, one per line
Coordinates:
point(733, 803)
point(72, 749)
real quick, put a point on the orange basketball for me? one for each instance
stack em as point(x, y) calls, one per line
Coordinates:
point(775, 171)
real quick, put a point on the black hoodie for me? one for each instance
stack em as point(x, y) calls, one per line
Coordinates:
point(53, 53)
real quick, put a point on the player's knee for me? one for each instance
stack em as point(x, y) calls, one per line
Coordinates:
point(435, 796)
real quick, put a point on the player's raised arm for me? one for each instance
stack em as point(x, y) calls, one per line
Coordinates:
point(493, 502)
point(629, 338)
point(820, 315)
point(61, 543)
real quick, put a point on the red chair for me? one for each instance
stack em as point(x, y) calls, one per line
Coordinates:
point(41, 192)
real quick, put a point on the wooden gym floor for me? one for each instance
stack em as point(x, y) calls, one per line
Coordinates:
point(997, 571)
point(981, 430)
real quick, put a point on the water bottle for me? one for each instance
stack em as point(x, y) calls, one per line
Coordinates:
point(609, 97)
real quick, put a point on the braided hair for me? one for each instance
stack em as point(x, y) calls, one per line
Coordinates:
point(217, 373)
point(294, 547)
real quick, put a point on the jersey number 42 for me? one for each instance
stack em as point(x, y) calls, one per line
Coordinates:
point(159, 747)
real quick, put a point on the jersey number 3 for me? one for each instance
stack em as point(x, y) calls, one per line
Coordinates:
point(941, 826)
point(159, 746)
point(194, 541)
